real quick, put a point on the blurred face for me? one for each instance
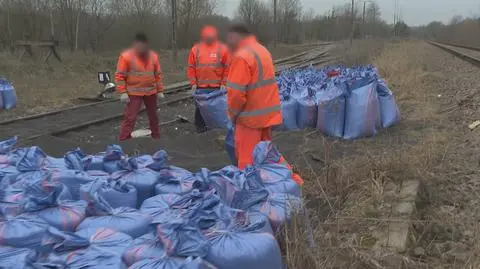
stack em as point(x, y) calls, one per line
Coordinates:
point(209, 40)
point(233, 40)
point(140, 47)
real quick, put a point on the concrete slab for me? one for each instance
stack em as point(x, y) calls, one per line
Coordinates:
point(395, 235)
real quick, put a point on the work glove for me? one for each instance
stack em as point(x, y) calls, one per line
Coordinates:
point(194, 87)
point(124, 98)
point(160, 96)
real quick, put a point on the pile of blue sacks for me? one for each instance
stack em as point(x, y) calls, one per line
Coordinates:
point(110, 210)
point(8, 96)
point(349, 103)
point(353, 103)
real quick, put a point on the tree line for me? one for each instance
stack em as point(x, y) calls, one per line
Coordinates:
point(459, 30)
point(108, 25)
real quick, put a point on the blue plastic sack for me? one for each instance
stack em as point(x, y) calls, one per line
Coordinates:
point(22, 231)
point(55, 164)
point(230, 182)
point(362, 114)
point(275, 176)
point(98, 239)
point(14, 258)
point(72, 180)
point(73, 160)
point(143, 179)
point(230, 144)
point(108, 161)
point(160, 161)
point(221, 217)
point(123, 219)
point(33, 159)
point(173, 173)
point(11, 201)
point(29, 164)
point(43, 194)
point(181, 238)
point(112, 159)
point(279, 208)
point(7, 146)
point(159, 206)
point(144, 160)
point(174, 179)
point(7, 170)
point(51, 202)
point(66, 216)
point(12, 156)
point(89, 248)
point(115, 193)
point(289, 113)
point(9, 96)
point(243, 247)
point(145, 247)
point(331, 108)
point(307, 111)
point(213, 107)
point(80, 259)
point(1, 100)
point(179, 185)
point(389, 112)
point(173, 263)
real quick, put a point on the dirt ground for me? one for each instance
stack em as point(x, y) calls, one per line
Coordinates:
point(348, 183)
point(44, 87)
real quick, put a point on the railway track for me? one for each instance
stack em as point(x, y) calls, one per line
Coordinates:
point(467, 53)
point(63, 121)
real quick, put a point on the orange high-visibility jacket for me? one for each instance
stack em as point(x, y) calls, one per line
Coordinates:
point(137, 76)
point(252, 92)
point(208, 65)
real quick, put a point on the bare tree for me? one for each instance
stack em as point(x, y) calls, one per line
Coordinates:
point(189, 14)
point(99, 21)
point(309, 25)
point(256, 16)
point(70, 12)
point(290, 12)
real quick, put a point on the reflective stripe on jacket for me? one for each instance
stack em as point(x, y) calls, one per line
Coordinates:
point(208, 65)
point(137, 76)
point(252, 92)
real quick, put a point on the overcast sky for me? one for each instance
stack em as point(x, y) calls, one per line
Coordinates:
point(414, 12)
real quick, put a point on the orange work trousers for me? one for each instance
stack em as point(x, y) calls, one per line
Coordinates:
point(245, 141)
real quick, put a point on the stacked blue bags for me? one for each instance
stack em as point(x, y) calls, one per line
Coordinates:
point(352, 103)
point(141, 212)
point(8, 96)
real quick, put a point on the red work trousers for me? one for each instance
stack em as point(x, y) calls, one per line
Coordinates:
point(131, 112)
point(245, 141)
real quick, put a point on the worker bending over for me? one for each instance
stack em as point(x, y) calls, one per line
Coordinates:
point(139, 80)
point(253, 99)
point(207, 67)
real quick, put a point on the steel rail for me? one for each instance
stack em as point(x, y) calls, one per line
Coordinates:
point(447, 48)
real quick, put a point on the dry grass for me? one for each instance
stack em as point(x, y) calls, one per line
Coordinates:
point(350, 186)
point(44, 87)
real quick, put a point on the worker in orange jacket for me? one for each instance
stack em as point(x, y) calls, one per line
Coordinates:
point(139, 80)
point(253, 99)
point(207, 67)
